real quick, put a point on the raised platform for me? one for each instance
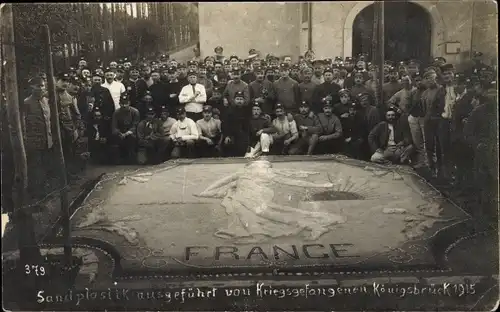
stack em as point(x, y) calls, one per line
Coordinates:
point(357, 217)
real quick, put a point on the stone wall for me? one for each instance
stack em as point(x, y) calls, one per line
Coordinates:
point(277, 27)
point(485, 30)
point(239, 27)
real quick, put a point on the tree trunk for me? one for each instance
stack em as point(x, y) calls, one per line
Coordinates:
point(23, 220)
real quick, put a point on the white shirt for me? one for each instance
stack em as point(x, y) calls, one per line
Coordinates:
point(449, 102)
point(116, 89)
point(187, 92)
point(185, 129)
point(391, 136)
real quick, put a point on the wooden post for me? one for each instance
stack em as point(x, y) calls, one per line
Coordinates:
point(56, 135)
point(22, 217)
point(113, 23)
point(381, 52)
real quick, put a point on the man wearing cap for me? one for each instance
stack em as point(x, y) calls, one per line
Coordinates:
point(286, 90)
point(306, 87)
point(193, 96)
point(184, 133)
point(401, 99)
point(327, 88)
point(318, 66)
point(308, 126)
point(234, 86)
point(262, 90)
point(330, 131)
point(249, 75)
point(215, 101)
point(433, 101)
point(369, 114)
point(210, 130)
point(158, 91)
point(173, 89)
point(70, 119)
point(146, 152)
point(448, 75)
point(131, 85)
point(235, 126)
point(205, 81)
point(124, 127)
point(286, 131)
point(336, 75)
point(219, 54)
point(295, 73)
point(416, 114)
point(115, 88)
point(261, 131)
point(390, 141)
point(182, 74)
point(355, 139)
point(476, 64)
point(37, 137)
point(192, 66)
point(103, 102)
point(392, 86)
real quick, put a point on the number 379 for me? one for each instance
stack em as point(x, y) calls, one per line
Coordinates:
point(34, 269)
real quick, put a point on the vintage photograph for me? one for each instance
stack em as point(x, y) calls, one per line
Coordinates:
point(250, 156)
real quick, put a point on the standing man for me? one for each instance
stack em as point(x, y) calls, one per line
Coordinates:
point(416, 114)
point(173, 89)
point(38, 138)
point(115, 88)
point(236, 126)
point(287, 90)
point(158, 92)
point(327, 88)
point(235, 86)
point(193, 96)
point(448, 75)
point(204, 80)
point(262, 90)
point(306, 87)
point(318, 72)
point(131, 85)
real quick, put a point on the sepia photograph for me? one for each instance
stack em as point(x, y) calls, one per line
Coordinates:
point(250, 156)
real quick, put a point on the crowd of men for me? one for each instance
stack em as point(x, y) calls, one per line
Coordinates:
point(428, 116)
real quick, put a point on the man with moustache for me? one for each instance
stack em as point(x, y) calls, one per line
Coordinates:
point(308, 127)
point(69, 118)
point(263, 91)
point(390, 141)
point(306, 87)
point(115, 88)
point(210, 134)
point(336, 76)
point(433, 102)
point(392, 86)
point(355, 139)
point(219, 69)
point(318, 66)
point(204, 80)
point(124, 129)
point(193, 96)
point(330, 131)
point(269, 74)
point(359, 84)
point(286, 90)
point(131, 85)
point(349, 69)
point(369, 114)
point(38, 138)
point(261, 131)
point(401, 99)
point(235, 86)
point(295, 73)
point(327, 88)
point(249, 75)
point(158, 92)
point(182, 74)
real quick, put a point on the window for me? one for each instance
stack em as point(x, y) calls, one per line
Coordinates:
point(305, 12)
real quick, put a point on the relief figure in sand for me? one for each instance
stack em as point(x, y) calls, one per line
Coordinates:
point(259, 201)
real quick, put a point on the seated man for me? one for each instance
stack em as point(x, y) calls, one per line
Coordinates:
point(98, 137)
point(209, 128)
point(261, 131)
point(330, 132)
point(184, 134)
point(355, 142)
point(161, 133)
point(286, 134)
point(124, 125)
point(390, 141)
point(308, 125)
point(151, 147)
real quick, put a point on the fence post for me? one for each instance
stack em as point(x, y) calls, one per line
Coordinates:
point(56, 134)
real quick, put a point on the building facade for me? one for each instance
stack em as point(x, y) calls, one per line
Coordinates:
point(451, 29)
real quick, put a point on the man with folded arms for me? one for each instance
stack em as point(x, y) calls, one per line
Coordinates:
point(193, 96)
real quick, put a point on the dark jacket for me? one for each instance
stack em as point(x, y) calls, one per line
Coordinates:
point(287, 91)
point(433, 102)
point(379, 136)
point(36, 124)
point(321, 91)
point(312, 123)
point(173, 88)
point(131, 87)
point(263, 90)
point(125, 119)
point(158, 92)
point(415, 107)
point(370, 117)
point(103, 100)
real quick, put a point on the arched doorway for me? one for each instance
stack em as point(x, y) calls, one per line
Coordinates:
point(407, 32)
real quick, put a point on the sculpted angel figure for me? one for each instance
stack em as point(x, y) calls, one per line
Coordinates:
point(258, 199)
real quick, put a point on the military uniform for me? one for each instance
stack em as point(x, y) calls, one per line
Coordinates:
point(308, 127)
point(124, 126)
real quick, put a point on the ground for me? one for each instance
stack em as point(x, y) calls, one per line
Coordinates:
point(383, 210)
